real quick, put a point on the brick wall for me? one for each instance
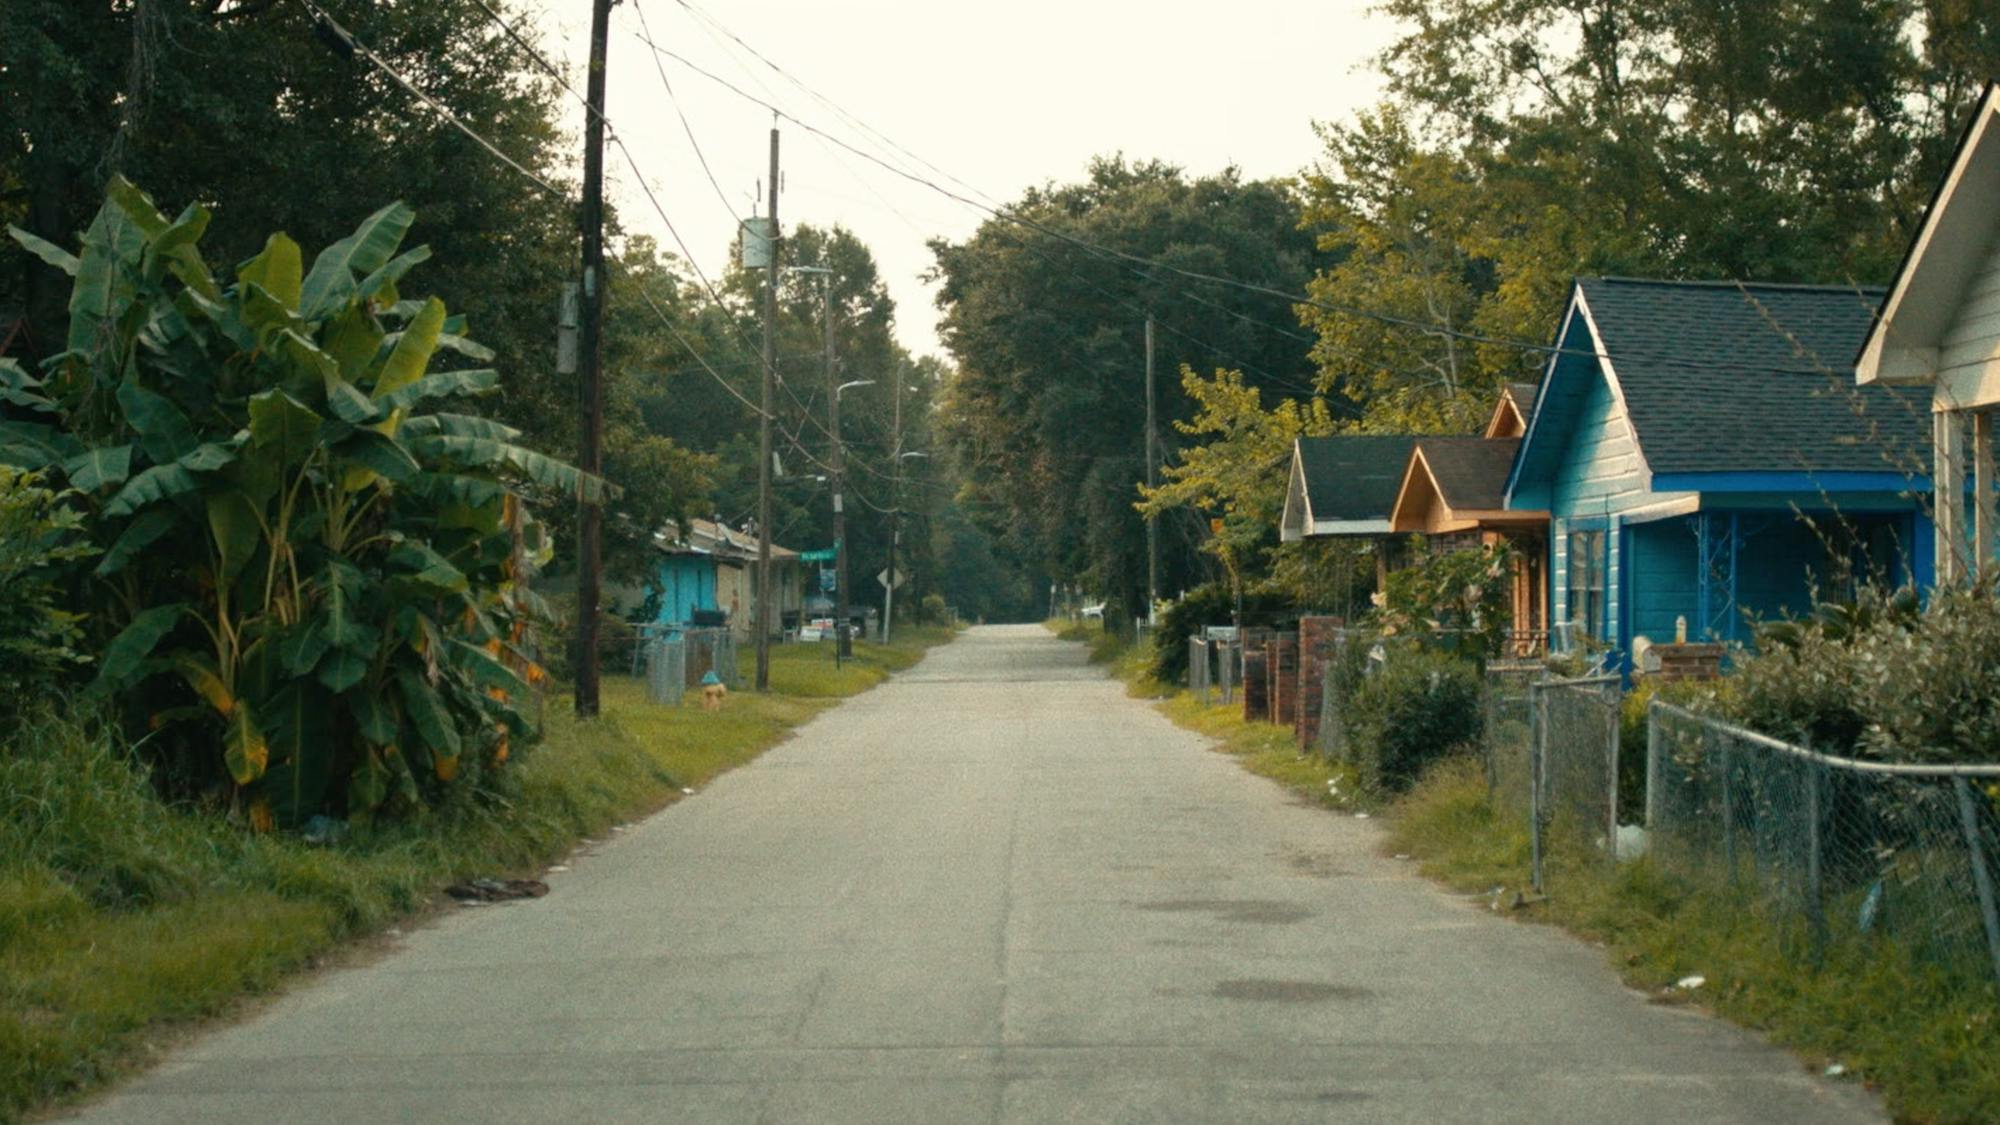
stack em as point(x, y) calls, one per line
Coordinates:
point(1317, 637)
point(1684, 662)
point(1284, 668)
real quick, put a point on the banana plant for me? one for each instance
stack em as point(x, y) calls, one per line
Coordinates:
point(317, 556)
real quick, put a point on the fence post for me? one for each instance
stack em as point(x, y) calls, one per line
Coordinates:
point(1615, 719)
point(1538, 706)
point(1968, 818)
point(1653, 744)
point(1728, 805)
point(1815, 876)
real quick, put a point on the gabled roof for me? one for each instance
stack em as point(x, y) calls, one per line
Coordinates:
point(1729, 377)
point(1949, 253)
point(1454, 483)
point(1345, 484)
point(1511, 411)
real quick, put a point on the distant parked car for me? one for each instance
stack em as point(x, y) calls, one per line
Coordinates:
point(1094, 612)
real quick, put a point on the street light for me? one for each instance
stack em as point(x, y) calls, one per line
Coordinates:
point(895, 532)
point(852, 383)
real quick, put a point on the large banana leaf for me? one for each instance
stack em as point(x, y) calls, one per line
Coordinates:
point(124, 660)
point(237, 529)
point(105, 276)
point(458, 425)
point(412, 354)
point(282, 427)
point(383, 281)
point(45, 250)
point(164, 431)
point(439, 384)
point(426, 569)
point(331, 283)
point(18, 388)
point(426, 709)
point(205, 678)
point(377, 453)
point(105, 465)
point(299, 729)
point(301, 646)
point(34, 446)
point(164, 482)
point(489, 453)
point(244, 750)
point(145, 528)
point(275, 270)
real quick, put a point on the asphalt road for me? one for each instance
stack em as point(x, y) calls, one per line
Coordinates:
point(993, 889)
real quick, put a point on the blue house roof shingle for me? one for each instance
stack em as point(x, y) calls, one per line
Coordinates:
point(1753, 377)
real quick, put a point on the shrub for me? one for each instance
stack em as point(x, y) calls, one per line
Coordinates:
point(1458, 598)
point(1417, 707)
point(931, 610)
point(1212, 604)
point(39, 540)
point(1879, 678)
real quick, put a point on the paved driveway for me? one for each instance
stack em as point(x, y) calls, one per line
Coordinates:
point(993, 889)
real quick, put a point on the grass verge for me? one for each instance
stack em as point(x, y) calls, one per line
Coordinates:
point(1265, 749)
point(1929, 1042)
point(124, 921)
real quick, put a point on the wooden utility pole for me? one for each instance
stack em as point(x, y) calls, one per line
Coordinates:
point(895, 502)
point(590, 343)
point(762, 614)
point(840, 614)
point(1152, 460)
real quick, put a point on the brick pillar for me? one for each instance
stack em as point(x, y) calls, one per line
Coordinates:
point(1285, 679)
point(1684, 662)
point(1256, 677)
point(1317, 638)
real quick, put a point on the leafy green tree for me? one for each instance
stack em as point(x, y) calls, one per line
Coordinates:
point(1235, 481)
point(1046, 322)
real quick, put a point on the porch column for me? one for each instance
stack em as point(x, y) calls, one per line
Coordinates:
point(1984, 526)
point(1948, 493)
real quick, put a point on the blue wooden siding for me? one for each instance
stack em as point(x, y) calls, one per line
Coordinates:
point(1599, 472)
point(1662, 578)
point(687, 583)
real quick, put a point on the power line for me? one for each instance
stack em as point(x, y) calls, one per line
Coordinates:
point(699, 155)
point(1008, 215)
point(442, 110)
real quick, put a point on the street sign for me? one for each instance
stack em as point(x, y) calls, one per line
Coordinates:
point(882, 576)
point(824, 554)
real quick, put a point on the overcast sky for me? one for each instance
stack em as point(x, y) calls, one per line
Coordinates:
point(999, 96)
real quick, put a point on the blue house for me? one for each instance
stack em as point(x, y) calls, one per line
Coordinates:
point(707, 568)
point(1703, 453)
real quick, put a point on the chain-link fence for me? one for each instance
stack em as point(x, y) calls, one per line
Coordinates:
point(666, 669)
point(1831, 850)
point(676, 659)
point(1551, 755)
point(1508, 730)
point(1578, 735)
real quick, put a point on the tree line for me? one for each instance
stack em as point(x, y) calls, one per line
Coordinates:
point(1519, 144)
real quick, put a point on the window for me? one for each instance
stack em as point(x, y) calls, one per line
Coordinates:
point(1586, 583)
